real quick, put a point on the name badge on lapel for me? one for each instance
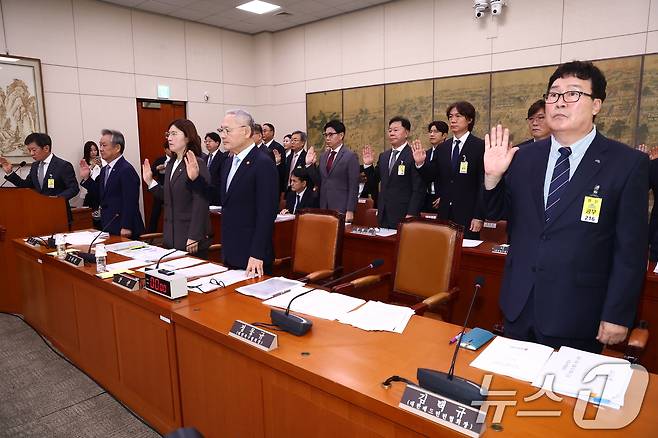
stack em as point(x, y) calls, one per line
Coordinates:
point(401, 169)
point(51, 182)
point(463, 166)
point(592, 207)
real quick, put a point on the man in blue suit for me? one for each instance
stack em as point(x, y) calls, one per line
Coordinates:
point(576, 205)
point(249, 196)
point(117, 187)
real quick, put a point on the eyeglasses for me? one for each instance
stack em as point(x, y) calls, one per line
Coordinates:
point(329, 134)
point(227, 131)
point(536, 118)
point(168, 134)
point(571, 96)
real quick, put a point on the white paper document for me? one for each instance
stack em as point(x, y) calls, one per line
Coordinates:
point(470, 243)
point(269, 288)
point(518, 359)
point(149, 253)
point(128, 264)
point(574, 373)
point(201, 270)
point(172, 265)
point(85, 237)
point(375, 315)
point(122, 246)
point(215, 208)
point(320, 303)
point(212, 282)
point(284, 217)
point(385, 232)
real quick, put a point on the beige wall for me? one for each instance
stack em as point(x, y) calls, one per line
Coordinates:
point(98, 58)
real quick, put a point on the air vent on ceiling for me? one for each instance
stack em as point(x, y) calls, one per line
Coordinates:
point(283, 14)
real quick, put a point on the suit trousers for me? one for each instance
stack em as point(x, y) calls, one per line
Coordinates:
point(523, 329)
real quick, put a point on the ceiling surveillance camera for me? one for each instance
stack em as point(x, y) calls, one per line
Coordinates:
point(496, 7)
point(479, 7)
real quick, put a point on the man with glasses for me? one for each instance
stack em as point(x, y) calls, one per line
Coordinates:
point(117, 187)
point(337, 174)
point(249, 196)
point(537, 123)
point(576, 205)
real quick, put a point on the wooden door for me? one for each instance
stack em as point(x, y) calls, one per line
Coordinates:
point(153, 119)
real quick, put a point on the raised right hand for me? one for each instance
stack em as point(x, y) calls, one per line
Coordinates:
point(497, 155)
point(311, 156)
point(419, 153)
point(85, 171)
point(368, 155)
point(277, 156)
point(147, 173)
point(6, 165)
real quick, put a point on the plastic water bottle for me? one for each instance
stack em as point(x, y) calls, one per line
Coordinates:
point(101, 258)
point(60, 244)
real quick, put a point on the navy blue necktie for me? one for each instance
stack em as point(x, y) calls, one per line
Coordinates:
point(559, 181)
point(455, 155)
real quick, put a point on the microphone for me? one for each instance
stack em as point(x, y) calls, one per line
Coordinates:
point(205, 239)
point(88, 256)
point(294, 324)
point(373, 265)
point(447, 384)
point(22, 164)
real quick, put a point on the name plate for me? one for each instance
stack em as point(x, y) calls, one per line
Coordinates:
point(126, 281)
point(254, 336)
point(33, 241)
point(459, 417)
point(500, 249)
point(74, 259)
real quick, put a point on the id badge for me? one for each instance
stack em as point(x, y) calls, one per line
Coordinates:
point(51, 183)
point(401, 170)
point(463, 167)
point(591, 209)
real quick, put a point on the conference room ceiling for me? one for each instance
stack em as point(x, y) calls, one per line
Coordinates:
point(222, 13)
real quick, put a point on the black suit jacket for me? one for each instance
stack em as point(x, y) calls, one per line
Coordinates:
point(370, 189)
point(399, 195)
point(300, 164)
point(526, 143)
point(460, 193)
point(120, 196)
point(159, 177)
point(309, 200)
point(215, 175)
point(61, 171)
point(581, 272)
point(281, 167)
point(653, 223)
point(249, 208)
point(185, 209)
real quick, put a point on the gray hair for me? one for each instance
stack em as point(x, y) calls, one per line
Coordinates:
point(244, 118)
point(117, 138)
point(302, 135)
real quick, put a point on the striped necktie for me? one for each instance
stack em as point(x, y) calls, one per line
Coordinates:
point(558, 181)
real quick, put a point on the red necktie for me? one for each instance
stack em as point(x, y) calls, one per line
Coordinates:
point(330, 161)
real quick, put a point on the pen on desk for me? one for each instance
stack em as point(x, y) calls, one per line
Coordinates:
point(453, 340)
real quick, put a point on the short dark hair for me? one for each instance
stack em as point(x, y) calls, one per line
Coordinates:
point(464, 108)
point(336, 124)
point(302, 135)
point(257, 129)
point(40, 139)
point(214, 137)
point(287, 136)
point(302, 174)
point(536, 106)
point(87, 150)
point(269, 125)
point(584, 70)
point(117, 138)
point(440, 126)
point(406, 124)
point(193, 139)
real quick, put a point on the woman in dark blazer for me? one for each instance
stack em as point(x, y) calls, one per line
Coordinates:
point(186, 219)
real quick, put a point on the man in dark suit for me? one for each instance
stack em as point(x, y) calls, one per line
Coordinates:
point(117, 187)
point(249, 196)
point(296, 159)
point(257, 138)
point(437, 132)
point(301, 195)
point(576, 209)
point(537, 124)
point(457, 171)
point(214, 162)
point(401, 187)
point(49, 175)
point(338, 172)
point(367, 188)
point(277, 150)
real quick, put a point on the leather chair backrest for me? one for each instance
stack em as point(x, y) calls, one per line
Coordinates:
point(362, 206)
point(425, 258)
point(316, 242)
point(494, 231)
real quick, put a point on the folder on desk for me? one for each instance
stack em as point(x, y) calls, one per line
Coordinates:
point(476, 338)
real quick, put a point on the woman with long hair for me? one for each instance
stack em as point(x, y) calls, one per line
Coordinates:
point(93, 158)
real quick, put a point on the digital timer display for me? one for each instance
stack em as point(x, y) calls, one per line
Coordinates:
point(157, 285)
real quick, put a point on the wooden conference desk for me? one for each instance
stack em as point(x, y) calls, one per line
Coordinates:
point(174, 364)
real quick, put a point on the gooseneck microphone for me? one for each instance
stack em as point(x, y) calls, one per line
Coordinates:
point(373, 265)
point(205, 239)
point(294, 324)
point(21, 165)
point(447, 384)
point(88, 256)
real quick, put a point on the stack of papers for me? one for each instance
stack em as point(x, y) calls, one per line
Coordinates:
point(201, 270)
point(375, 315)
point(284, 217)
point(600, 379)
point(517, 359)
point(85, 237)
point(147, 253)
point(320, 303)
point(470, 243)
point(269, 288)
point(183, 262)
point(215, 208)
point(212, 282)
point(385, 232)
point(122, 246)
